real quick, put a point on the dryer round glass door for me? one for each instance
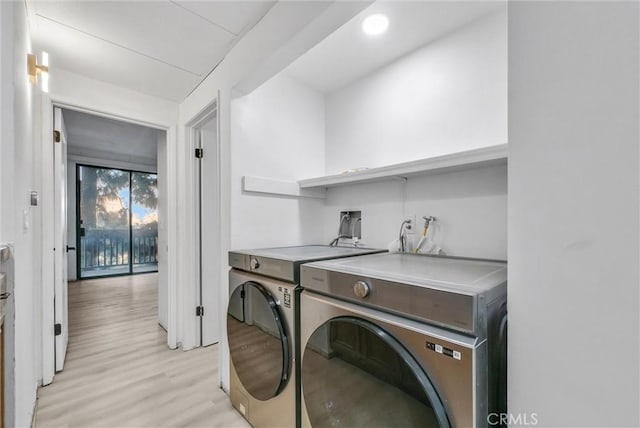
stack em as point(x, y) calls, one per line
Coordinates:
point(355, 374)
point(259, 342)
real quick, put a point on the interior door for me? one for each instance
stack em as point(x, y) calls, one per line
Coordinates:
point(209, 215)
point(60, 240)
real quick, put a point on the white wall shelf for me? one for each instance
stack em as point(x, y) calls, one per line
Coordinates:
point(486, 156)
point(279, 187)
point(316, 187)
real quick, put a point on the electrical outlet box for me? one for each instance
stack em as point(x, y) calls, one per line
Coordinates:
point(351, 224)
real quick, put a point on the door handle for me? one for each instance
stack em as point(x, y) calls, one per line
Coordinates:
point(4, 296)
point(70, 248)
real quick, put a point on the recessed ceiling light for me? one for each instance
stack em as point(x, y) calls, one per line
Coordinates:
point(376, 24)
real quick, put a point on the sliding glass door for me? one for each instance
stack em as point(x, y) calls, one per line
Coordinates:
point(144, 222)
point(117, 222)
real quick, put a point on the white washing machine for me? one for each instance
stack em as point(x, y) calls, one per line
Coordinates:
point(402, 340)
point(262, 328)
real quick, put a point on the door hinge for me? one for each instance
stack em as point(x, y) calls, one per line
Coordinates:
point(199, 311)
point(199, 153)
point(56, 136)
point(57, 329)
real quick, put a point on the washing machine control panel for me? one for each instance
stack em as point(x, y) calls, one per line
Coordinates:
point(424, 304)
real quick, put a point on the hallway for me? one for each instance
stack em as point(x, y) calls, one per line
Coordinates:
point(119, 371)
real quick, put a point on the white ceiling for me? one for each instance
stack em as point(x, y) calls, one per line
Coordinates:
point(348, 54)
point(162, 48)
point(107, 139)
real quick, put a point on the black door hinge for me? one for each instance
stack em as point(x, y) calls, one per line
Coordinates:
point(199, 311)
point(199, 153)
point(57, 329)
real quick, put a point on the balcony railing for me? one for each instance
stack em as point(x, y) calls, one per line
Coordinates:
point(110, 248)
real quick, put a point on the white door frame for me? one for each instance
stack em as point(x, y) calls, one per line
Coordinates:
point(190, 292)
point(48, 337)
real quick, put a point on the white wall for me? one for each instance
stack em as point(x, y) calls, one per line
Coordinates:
point(18, 178)
point(277, 131)
point(448, 96)
point(574, 212)
point(85, 93)
point(470, 209)
point(6, 82)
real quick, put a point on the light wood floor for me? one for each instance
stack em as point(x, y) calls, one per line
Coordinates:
point(119, 371)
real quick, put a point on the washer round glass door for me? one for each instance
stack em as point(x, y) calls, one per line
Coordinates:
point(259, 342)
point(354, 374)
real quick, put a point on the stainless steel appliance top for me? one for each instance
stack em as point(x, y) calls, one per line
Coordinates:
point(306, 253)
point(284, 262)
point(460, 294)
point(468, 276)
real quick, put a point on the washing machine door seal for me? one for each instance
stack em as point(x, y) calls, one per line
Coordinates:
point(352, 370)
point(259, 341)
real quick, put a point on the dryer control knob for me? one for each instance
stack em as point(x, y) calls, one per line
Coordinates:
point(361, 289)
point(255, 264)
